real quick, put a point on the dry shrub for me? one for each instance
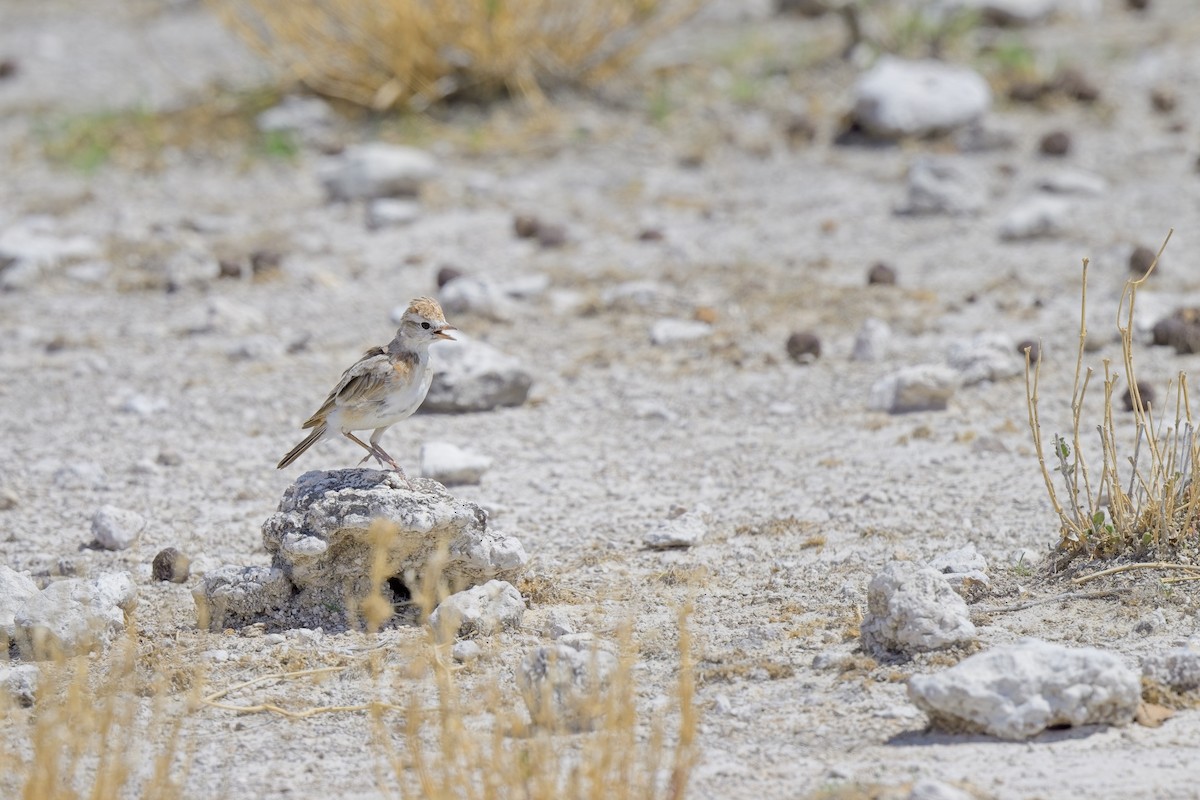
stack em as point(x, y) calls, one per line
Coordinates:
point(88, 733)
point(484, 747)
point(1143, 498)
point(387, 53)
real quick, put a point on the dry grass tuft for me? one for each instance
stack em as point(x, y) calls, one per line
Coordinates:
point(88, 733)
point(1143, 501)
point(383, 54)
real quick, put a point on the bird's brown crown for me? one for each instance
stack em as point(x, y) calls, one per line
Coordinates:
point(428, 308)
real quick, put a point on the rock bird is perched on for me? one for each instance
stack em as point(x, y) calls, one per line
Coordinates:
point(383, 387)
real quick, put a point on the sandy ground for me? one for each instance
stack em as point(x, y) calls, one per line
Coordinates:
point(810, 492)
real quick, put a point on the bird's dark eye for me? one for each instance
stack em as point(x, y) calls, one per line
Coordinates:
point(425, 325)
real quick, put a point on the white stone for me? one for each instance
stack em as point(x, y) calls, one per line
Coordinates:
point(684, 530)
point(926, 387)
point(639, 295)
point(674, 331)
point(376, 169)
point(481, 610)
point(297, 114)
point(1178, 669)
point(941, 185)
point(1037, 217)
point(451, 465)
point(486, 298)
point(985, 357)
point(391, 212)
point(898, 97)
point(1073, 181)
point(961, 560)
point(965, 569)
point(913, 609)
point(230, 595)
point(15, 589)
point(466, 650)
point(564, 684)
point(74, 616)
point(927, 789)
point(871, 343)
point(470, 375)
point(20, 683)
point(1017, 691)
point(143, 405)
point(116, 528)
point(35, 245)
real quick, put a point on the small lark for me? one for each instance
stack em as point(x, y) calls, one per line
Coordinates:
point(386, 385)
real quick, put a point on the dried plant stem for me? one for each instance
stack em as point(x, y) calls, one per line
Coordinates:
point(1140, 565)
point(1041, 601)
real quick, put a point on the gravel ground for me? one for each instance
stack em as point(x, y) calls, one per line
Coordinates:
point(174, 398)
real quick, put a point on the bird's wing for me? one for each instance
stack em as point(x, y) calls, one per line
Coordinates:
point(366, 379)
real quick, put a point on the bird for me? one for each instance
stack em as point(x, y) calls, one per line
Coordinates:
point(383, 387)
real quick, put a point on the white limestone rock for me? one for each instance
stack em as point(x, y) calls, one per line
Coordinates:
point(563, 684)
point(451, 465)
point(470, 375)
point(1017, 691)
point(925, 387)
point(1042, 216)
point(481, 610)
point(674, 331)
point(376, 169)
point(942, 185)
point(116, 528)
point(913, 609)
point(985, 357)
point(74, 616)
point(324, 539)
point(899, 97)
point(683, 529)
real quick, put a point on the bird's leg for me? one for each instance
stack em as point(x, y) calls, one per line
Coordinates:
point(376, 435)
point(371, 452)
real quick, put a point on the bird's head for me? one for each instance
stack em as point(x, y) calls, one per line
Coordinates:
point(424, 323)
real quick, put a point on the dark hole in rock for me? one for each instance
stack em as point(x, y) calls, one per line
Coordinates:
point(400, 593)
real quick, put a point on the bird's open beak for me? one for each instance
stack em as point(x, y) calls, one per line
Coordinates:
point(441, 334)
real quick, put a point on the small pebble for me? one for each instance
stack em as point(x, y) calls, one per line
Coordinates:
point(171, 565)
point(526, 226)
point(8, 68)
point(1077, 86)
point(1035, 350)
point(446, 274)
point(650, 235)
point(705, 314)
point(168, 458)
point(1140, 259)
point(228, 268)
point(804, 347)
point(1055, 143)
point(1163, 100)
point(8, 499)
point(551, 235)
point(265, 263)
point(800, 130)
point(881, 274)
point(1145, 390)
point(1137, 5)
point(466, 651)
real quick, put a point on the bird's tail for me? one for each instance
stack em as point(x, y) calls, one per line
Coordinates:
point(308, 442)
